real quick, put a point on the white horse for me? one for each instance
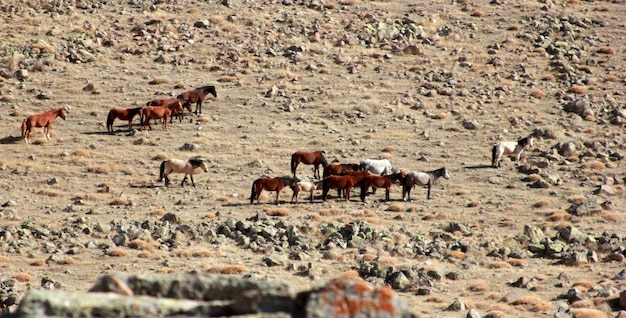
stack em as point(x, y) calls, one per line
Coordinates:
point(378, 166)
point(427, 178)
point(188, 167)
point(509, 148)
point(302, 185)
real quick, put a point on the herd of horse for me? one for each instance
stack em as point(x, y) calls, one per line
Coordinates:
point(367, 174)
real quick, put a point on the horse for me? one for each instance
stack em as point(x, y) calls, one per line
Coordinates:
point(376, 181)
point(298, 186)
point(427, 178)
point(345, 182)
point(168, 102)
point(156, 112)
point(340, 168)
point(310, 158)
point(509, 148)
point(122, 114)
point(267, 184)
point(187, 167)
point(378, 166)
point(197, 96)
point(44, 120)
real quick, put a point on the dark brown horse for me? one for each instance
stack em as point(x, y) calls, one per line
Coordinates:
point(267, 184)
point(345, 183)
point(157, 112)
point(376, 181)
point(336, 169)
point(315, 158)
point(197, 96)
point(122, 114)
point(169, 102)
point(44, 120)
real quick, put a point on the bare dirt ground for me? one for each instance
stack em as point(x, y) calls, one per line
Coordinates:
point(424, 85)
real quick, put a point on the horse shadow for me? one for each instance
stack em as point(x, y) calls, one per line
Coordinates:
point(479, 167)
point(145, 186)
point(10, 140)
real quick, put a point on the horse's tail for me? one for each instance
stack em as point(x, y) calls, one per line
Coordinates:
point(324, 161)
point(23, 127)
point(110, 119)
point(162, 171)
point(252, 191)
point(494, 149)
point(293, 164)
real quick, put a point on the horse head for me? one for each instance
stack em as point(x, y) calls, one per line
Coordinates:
point(185, 104)
point(62, 113)
point(211, 90)
point(445, 173)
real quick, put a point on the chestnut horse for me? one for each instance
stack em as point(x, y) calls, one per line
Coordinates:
point(315, 158)
point(376, 181)
point(157, 112)
point(197, 96)
point(427, 178)
point(188, 167)
point(340, 168)
point(168, 102)
point(509, 148)
point(44, 120)
point(122, 114)
point(267, 184)
point(340, 183)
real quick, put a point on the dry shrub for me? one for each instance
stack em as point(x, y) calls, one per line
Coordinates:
point(548, 77)
point(81, 153)
point(387, 260)
point(227, 269)
point(559, 215)
point(573, 1)
point(164, 270)
point(118, 252)
point(461, 192)
point(507, 223)
point(479, 287)
point(120, 201)
point(499, 265)
point(532, 177)
point(144, 254)
point(577, 199)
point(66, 261)
point(315, 217)
point(396, 207)
point(369, 136)
point(386, 155)
point(516, 262)
point(473, 204)
point(159, 80)
point(334, 254)
point(433, 216)
point(389, 149)
point(578, 89)
point(349, 2)
point(139, 244)
point(478, 13)
point(539, 94)
point(227, 79)
point(229, 27)
point(532, 302)
point(216, 19)
point(101, 169)
point(456, 254)
point(587, 284)
point(160, 156)
point(197, 252)
point(541, 204)
point(587, 313)
point(194, 10)
point(436, 299)
point(38, 262)
point(324, 70)
point(330, 212)
point(277, 212)
point(352, 274)
point(157, 212)
point(611, 216)
point(595, 165)
point(611, 78)
point(441, 116)
point(50, 192)
point(496, 314)
point(607, 50)
point(23, 277)
point(368, 257)
point(330, 5)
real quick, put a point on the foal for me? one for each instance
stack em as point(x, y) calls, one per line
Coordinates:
point(509, 148)
point(302, 185)
point(427, 178)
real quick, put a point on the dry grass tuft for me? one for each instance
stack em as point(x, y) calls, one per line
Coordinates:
point(160, 156)
point(611, 78)
point(532, 302)
point(473, 204)
point(349, 2)
point(277, 212)
point(478, 13)
point(573, 1)
point(516, 262)
point(539, 94)
point(235, 269)
point(38, 262)
point(389, 149)
point(216, 19)
point(479, 287)
point(227, 79)
point(368, 257)
point(53, 193)
point(584, 283)
point(607, 50)
point(139, 244)
point(205, 119)
point(456, 254)
point(577, 199)
point(144, 254)
point(197, 252)
point(532, 177)
point(81, 153)
point(595, 165)
point(159, 80)
point(559, 215)
point(194, 10)
point(499, 265)
point(229, 27)
point(461, 192)
point(611, 216)
point(67, 260)
point(541, 204)
point(330, 5)
point(23, 277)
point(436, 299)
point(396, 207)
point(578, 89)
point(118, 252)
point(548, 78)
point(120, 201)
point(101, 169)
point(587, 313)
point(330, 212)
point(157, 212)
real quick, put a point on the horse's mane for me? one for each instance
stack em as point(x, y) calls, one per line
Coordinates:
point(524, 141)
point(196, 161)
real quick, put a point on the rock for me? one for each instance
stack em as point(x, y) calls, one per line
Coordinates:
point(571, 234)
point(21, 74)
point(45, 95)
point(585, 208)
point(473, 313)
point(605, 189)
point(457, 305)
point(189, 147)
point(398, 281)
point(470, 124)
point(545, 133)
point(566, 149)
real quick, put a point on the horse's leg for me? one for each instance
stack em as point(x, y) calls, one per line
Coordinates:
point(348, 189)
point(430, 184)
point(199, 106)
point(311, 196)
point(192, 183)
point(387, 193)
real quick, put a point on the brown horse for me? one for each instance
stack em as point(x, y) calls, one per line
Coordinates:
point(169, 102)
point(122, 114)
point(157, 112)
point(267, 184)
point(197, 96)
point(337, 169)
point(376, 181)
point(44, 120)
point(345, 183)
point(315, 158)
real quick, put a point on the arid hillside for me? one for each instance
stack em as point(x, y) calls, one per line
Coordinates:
point(424, 85)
